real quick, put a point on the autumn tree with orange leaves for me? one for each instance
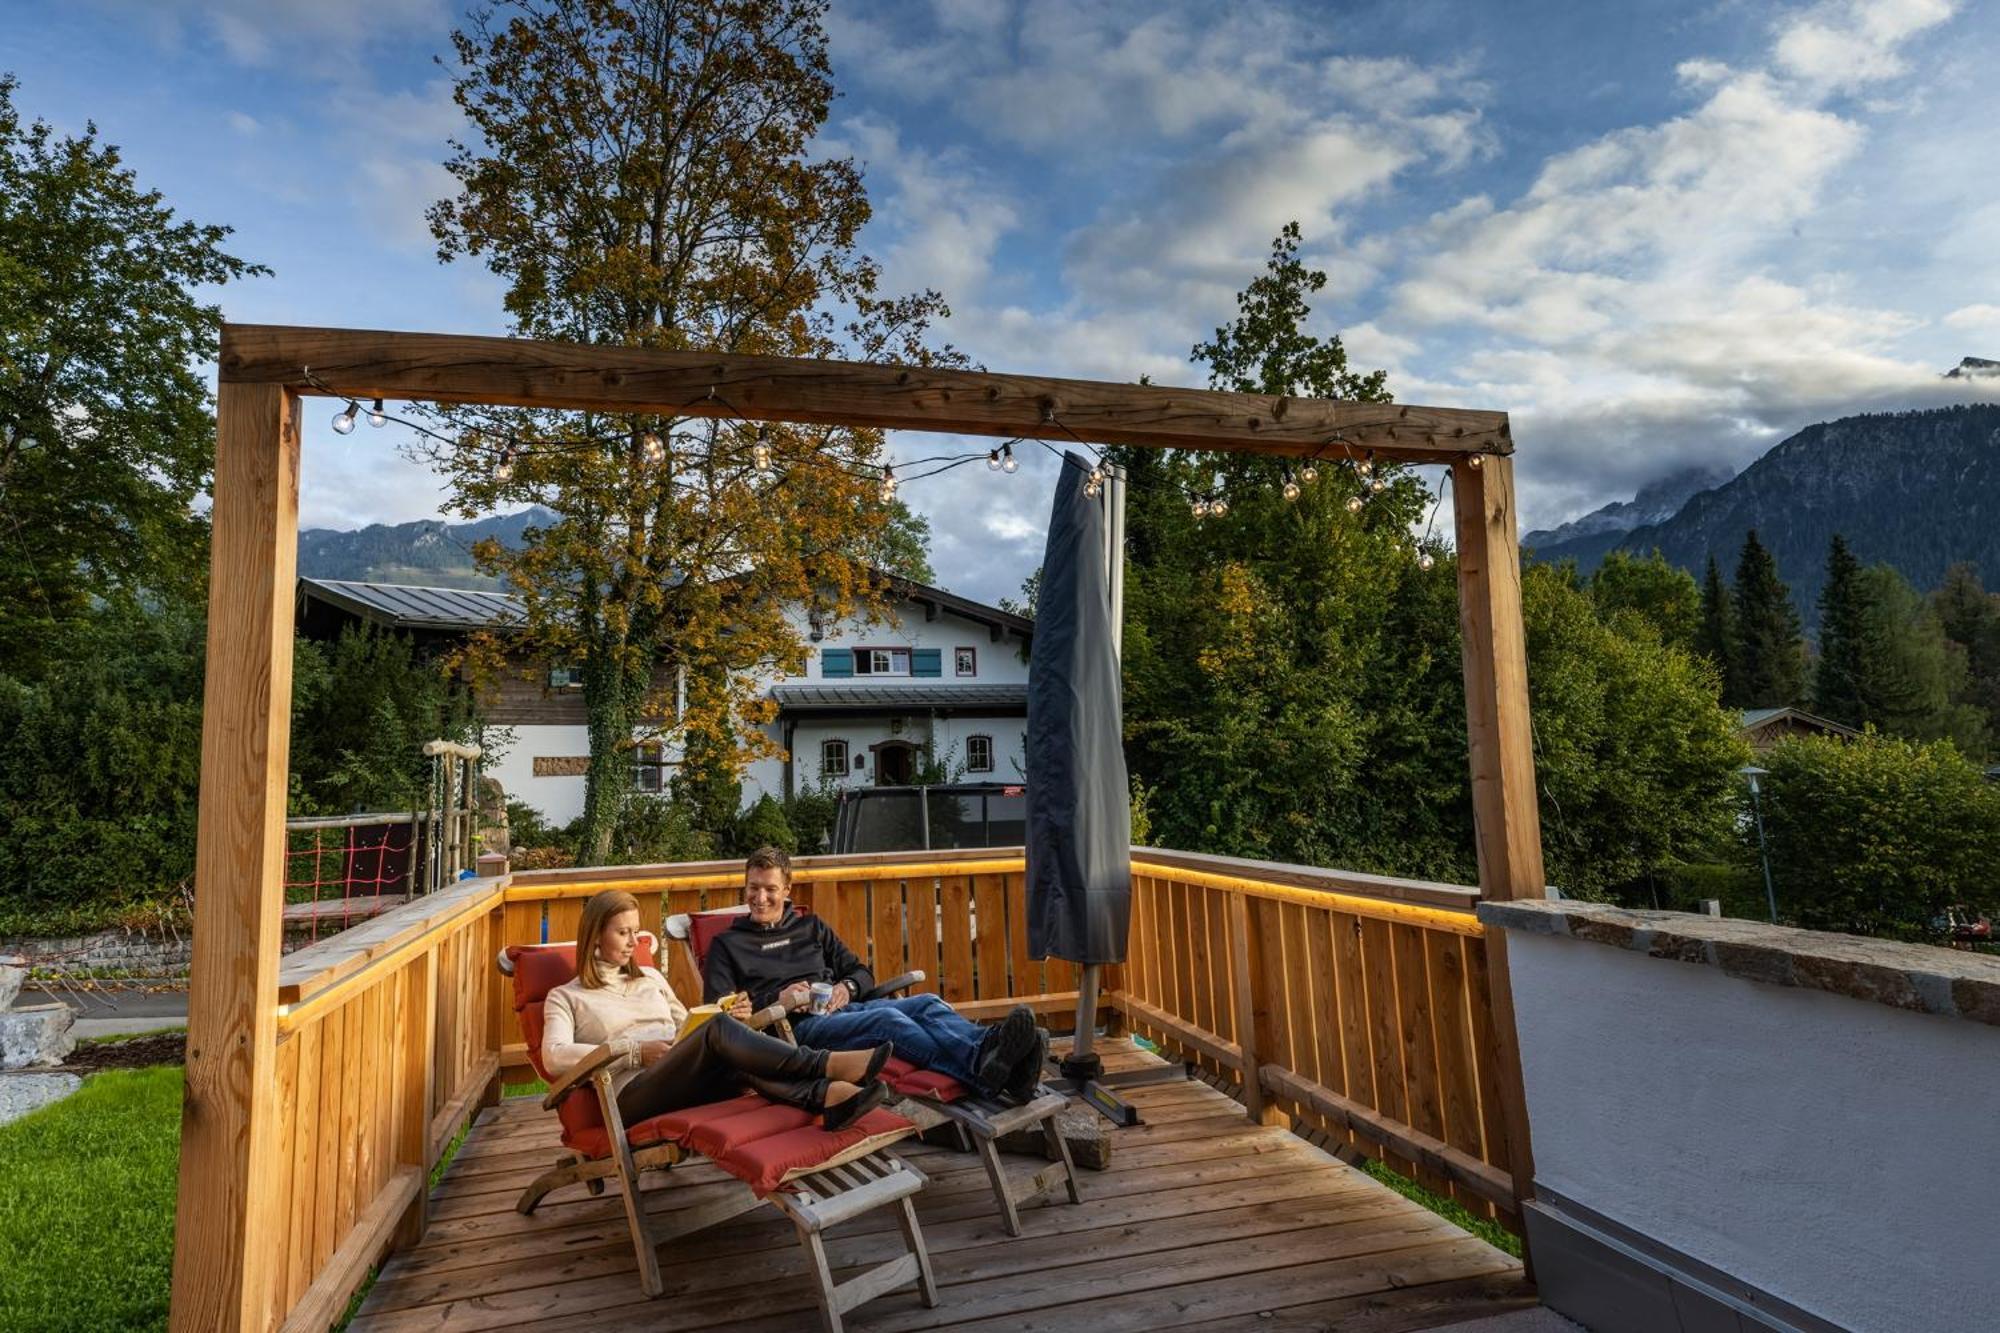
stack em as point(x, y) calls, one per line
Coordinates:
point(641, 173)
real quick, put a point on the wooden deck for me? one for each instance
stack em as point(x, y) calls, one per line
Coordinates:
point(1203, 1222)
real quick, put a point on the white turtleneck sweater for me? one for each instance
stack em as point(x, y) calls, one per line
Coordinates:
point(622, 1012)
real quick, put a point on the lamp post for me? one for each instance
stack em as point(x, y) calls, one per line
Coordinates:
point(1750, 774)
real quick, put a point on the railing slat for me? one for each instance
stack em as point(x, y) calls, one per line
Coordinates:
point(989, 901)
point(956, 963)
point(299, 1266)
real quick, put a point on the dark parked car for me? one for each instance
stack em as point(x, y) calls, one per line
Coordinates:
point(908, 819)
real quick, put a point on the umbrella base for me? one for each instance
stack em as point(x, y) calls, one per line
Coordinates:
point(1100, 1090)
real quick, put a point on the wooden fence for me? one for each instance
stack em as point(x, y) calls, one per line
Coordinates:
point(1355, 1003)
point(1359, 1003)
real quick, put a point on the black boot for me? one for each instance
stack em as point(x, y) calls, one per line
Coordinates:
point(861, 1103)
point(1026, 1079)
point(1002, 1048)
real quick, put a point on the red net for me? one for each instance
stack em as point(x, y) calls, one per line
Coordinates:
point(336, 877)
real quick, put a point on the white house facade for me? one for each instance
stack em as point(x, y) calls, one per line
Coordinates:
point(940, 685)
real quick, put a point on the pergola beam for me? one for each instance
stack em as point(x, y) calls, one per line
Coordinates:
point(516, 372)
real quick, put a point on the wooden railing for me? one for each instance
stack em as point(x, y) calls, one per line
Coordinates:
point(384, 1049)
point(1351, 1003)
point(1357, 1004)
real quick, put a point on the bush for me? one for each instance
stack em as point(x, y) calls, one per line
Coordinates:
point(655, 829)
point(1876, 836)
point(765, 825)
point(527, 828)
point(810, 814)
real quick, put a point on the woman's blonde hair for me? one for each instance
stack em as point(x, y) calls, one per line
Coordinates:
point(603, 905)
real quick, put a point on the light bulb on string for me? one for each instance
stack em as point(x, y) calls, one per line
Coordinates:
point(887, 491)
point(1426, 561)
point(1378, 484)
point(1218, 506)
point(344, 423)
point(1008, 463)
point(1354, 503)
point(1291, 489)
point(1199, 508)
point(1476, 462)
point(376, 416)
point(1309, 474)
point(993, 460)
point(760, 452)
point(503, 470)
point(652, 446)
point(1364, 466)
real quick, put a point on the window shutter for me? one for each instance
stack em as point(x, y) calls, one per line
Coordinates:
point(927, 661)
point(836, 663)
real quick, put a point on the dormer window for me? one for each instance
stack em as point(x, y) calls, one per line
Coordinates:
point(965, 661)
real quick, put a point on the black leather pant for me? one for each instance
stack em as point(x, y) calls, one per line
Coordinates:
point(722, 1058)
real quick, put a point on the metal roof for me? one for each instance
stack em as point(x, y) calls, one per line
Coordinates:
point(408, 606)
point(865, 698)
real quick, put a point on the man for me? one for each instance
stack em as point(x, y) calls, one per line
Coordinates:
point(773, 952)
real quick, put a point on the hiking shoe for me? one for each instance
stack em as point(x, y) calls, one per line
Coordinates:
point(1001, 1049)
point(1026, 1080)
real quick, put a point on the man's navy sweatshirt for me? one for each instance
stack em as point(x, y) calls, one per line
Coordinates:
point(765, 959)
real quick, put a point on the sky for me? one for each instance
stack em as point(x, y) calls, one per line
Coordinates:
point(1659, 233)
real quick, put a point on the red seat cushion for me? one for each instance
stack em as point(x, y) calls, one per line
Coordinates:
point(539, 969)
point(759, 1142)
point(910, 1081)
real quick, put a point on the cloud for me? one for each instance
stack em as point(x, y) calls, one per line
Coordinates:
point(269, 33)
point(1842, 45)
point(1980, 318)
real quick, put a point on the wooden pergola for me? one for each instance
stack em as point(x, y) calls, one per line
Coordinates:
point(228, 1134)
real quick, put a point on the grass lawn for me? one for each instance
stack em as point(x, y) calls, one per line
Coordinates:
point(87, 1209)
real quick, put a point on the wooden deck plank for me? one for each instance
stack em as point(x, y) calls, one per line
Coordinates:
point(1201, 1219)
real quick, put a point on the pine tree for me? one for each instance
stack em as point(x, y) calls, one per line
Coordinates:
point(1715, 633)
point(1837, 682)
point(1768, 644)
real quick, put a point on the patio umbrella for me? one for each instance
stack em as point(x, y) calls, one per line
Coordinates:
point(1079, 808)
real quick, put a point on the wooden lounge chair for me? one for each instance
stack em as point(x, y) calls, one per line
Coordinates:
point(931, 1099)
point(815, 1177)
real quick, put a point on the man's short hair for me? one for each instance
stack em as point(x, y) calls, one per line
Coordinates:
point(769, 858)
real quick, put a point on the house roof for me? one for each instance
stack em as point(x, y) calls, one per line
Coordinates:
point(881, 698)
point(1755, 718)
point(412, 606)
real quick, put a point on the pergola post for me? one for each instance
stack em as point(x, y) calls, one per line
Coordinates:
point(1506, 816)
point(224, 1222)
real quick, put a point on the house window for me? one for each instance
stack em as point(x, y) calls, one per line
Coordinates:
point(565, 678)
point(979, 754)
point(832, 759)
point(966, 661)
point(881, 661)
point(649, 767)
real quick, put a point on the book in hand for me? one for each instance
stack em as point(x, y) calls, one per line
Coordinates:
point(701, 1013)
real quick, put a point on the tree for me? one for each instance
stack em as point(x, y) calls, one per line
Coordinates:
point(1877, 836)
point(1770, 650)
point(1293, 682)
point(644, 173)
point(362, 708)
point(1837, 678)
point(1970, 618)
point(1907, 673)
point(107, 433)
point(1715, 635)
point(1658, 594)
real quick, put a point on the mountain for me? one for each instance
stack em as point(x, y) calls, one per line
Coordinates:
point(1916, 490)
point(428, 551)
point(1600, 529)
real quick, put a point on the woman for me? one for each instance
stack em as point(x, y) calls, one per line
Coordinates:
point(613, 1000)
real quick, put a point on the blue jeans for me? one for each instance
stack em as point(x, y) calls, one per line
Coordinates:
point(925, 1030)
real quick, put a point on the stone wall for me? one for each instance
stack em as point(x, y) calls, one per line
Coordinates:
point(141, 954)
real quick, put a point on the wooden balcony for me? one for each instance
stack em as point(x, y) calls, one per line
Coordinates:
point(1349, 1008)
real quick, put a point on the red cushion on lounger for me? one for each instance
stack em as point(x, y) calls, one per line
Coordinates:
point(539, 969)
point(703, 927)
point(910, 1081)
point(764, 1163)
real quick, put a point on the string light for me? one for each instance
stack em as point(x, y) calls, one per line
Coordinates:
point(1218, 506)
point(652, 446)
point(1364, 466)
point(1309, 474)
point(344, 423)
point(1476, 462)
point(1291, 489)
point(503, 470)
point(1426, 561)
point(1354, 503)
point(1008, 463)
point(1378, 484)
point(760, 452)
point(376, 416)
point(1200, 507)
point(887, 491)
point(993, 460)
point(1094, 483)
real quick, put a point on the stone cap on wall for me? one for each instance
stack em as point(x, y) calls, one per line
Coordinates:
point(1905, 976)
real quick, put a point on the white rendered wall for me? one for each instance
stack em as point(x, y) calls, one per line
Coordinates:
point(559, 799)
point(1834, 1152)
